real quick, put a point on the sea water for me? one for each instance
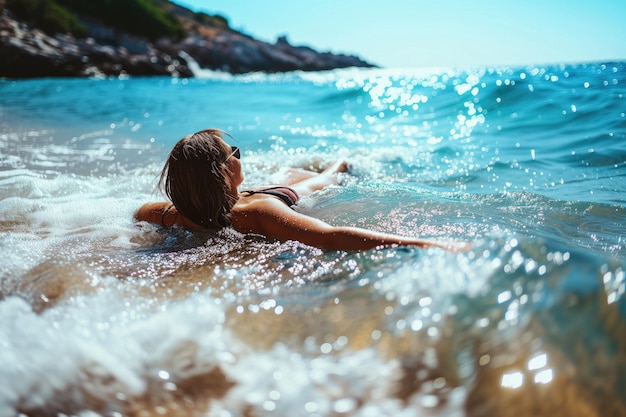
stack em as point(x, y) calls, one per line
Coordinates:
point(100, 315)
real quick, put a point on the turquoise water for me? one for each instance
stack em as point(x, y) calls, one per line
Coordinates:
point(99, 314)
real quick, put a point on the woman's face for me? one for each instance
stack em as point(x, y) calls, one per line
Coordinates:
point(236, 171)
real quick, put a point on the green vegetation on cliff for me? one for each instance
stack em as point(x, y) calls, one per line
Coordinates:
point(146, 18)
point(48, 16)
point(138, 17)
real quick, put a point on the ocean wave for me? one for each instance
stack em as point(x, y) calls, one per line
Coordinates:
point(103, 315)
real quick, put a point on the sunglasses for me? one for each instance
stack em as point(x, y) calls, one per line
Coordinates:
point(235, 152)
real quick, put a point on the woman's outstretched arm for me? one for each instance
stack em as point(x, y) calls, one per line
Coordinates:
point(271, 218)
point(163, 213)
point(151, 212)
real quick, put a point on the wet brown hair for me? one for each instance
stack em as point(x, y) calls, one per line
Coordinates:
point(197, 179)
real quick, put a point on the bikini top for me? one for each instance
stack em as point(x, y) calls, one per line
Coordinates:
point(287, 194)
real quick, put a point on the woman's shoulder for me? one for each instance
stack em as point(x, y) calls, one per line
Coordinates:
point(264, 215)
point(254, 202)
point(257, 207)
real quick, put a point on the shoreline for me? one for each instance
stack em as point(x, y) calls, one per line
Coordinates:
point(28, 52)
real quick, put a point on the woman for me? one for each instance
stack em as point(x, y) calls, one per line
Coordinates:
point(201, 178)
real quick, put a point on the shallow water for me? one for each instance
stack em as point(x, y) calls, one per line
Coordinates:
point(102, 316)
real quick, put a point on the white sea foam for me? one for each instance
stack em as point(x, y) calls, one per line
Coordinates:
point(108, 346)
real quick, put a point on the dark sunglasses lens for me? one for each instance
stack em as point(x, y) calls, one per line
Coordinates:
point(236, 153)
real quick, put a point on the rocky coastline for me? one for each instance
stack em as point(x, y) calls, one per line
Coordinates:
point(27, 52)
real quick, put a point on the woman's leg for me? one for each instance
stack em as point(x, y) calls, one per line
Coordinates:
point(292, 176)
point(307, 182)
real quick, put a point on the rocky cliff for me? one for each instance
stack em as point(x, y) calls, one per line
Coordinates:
point(27, 52)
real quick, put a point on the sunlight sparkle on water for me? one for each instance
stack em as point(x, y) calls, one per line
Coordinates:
point(512, 380)
point(544, 377)
point(538, 362)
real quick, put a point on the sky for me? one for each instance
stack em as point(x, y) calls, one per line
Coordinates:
point(437, 33)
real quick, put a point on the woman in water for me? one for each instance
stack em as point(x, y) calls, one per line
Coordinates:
point(201, 178)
